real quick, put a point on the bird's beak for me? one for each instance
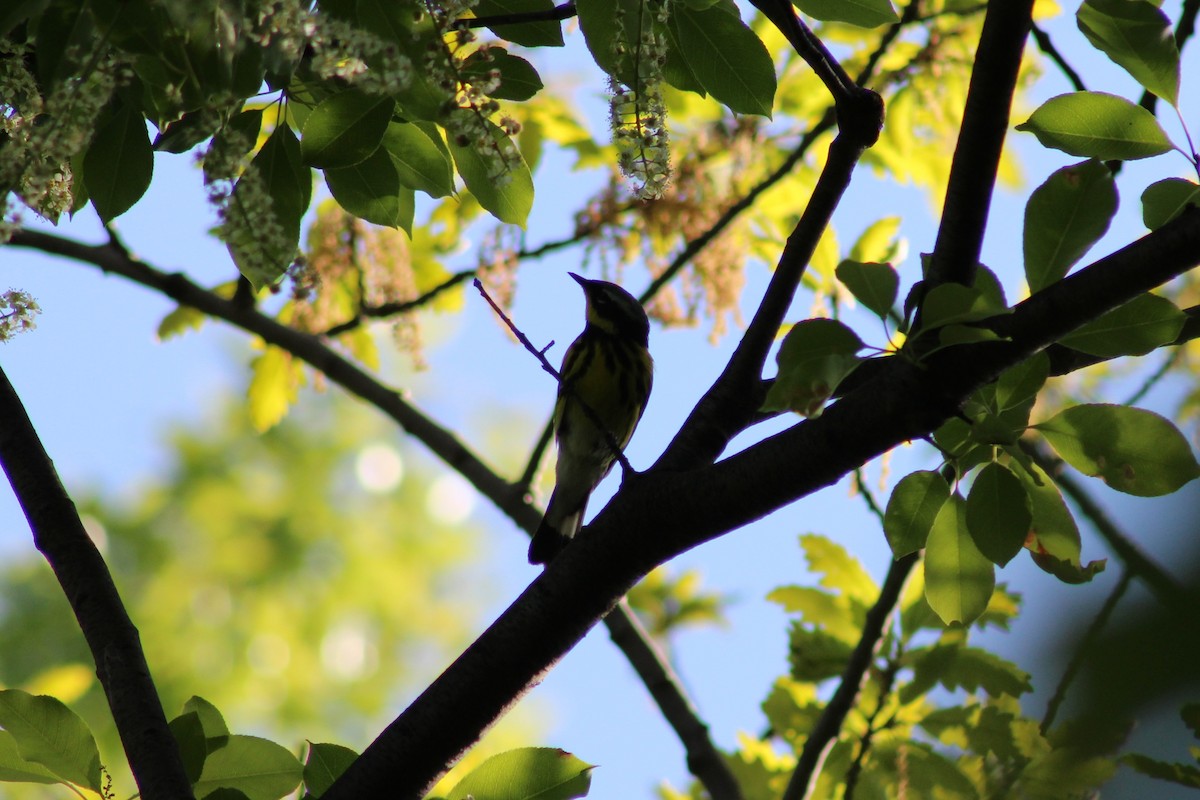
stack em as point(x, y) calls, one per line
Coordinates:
point(580, 280)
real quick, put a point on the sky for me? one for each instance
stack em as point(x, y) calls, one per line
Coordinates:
point(101, 391)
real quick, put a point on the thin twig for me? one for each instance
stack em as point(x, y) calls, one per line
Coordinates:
point(121, 667)
point(1083, 650)
point(1046, 45)
point(540, 355)
point(400, 307)
point(825, 732)
point(886, 681)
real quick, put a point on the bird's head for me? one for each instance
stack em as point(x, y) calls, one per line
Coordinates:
point(613, 310)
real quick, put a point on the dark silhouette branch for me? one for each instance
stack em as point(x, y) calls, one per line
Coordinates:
point(825, 732)
point(980, 141)
point(1046, 45)
point(115, 259)
point(400, 307)
point(111, 636)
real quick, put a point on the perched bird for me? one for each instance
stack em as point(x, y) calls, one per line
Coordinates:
point(609, 369)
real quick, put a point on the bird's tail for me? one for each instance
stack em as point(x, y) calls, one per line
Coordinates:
point(557, 528)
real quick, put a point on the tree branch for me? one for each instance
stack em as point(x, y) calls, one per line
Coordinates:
point(400, 307)
point(980, 141)
point(1046, 45)
point(825, 732)
point(111, 636)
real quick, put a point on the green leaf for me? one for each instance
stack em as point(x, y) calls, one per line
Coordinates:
point(372, 190)
point(1022, 382)
point(1142, 325)
point(1132, 450)
point(863, 13)
point(46, 732)
point(610, 27)
point(193, 746)
point(998, 513)
point(879, 243)
point(179, 321)
point(1165, 200)
point(874, 285)
point(518, 79)
point(816, 355)
point(947, 303)
point(1054, 542)
point(508, 197)
point(420, 158)
point(542, 772)
point(728, 59)
point(15, 769)
point(215, 729)
point(832, 613)
point(1065, 216)
point(958, 578)
point(955, 666)
point(274, 386)
point(815, 655)
point(288, 183)
point(258, 768)
point(1137, 36)
point(345, 128)
point(529, 34)
point(324, 765)
point(119, 163)
point(912, 509)
point(839, 570)
point(1097, 125)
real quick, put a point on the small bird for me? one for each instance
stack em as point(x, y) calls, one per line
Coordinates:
point(608, 368)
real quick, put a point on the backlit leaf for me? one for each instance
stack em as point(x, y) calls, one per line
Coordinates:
point(874, 285)
point(911, 510)
point(508, 196)
point(119, 163)
point(1166, 199)
point(346, 128)
point(526, 772)
point(274, 386)
point(1142, 325)
point(1137, 35)
point(1132, 450)
point(1065, 216)
point(48, 733)
point(863, 13)
point(728, 59)
point(530, 34)
point(816, 355)
point(998, 513)
point(256, 767)
point(1097, 125)
point(958, 578)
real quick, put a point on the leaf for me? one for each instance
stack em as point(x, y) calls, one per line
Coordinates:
point(215, 729)
point(955, 666)
point(879, 242)
point(1137, 36)
point(542, 772)
point(420, 158)
point(863, 13)
point(48, 733)
point(728, 59)
point(256, 767)
point(958, 578)
point(345, 128)
point(833, 614)
point(1022, 381)
point(15, 769)
point(508, 197)
point(119, 163)
point(838, 569)
point(518, 80)
point(815, 655)
point(179, 321)
point(1065, 216)
point(874, 285)
point(1182, 774)
point(912, 509)
point(372, 190)
point(530, 34)
point(193, 746)
point(1136, 328)
point(274, 386)
point(324, 765)
point(1097, 125)
point(816, 355)
point(998, 513)
point(947, 303)
point(1132, 450)
point(1164, 200)
point(1054, 542)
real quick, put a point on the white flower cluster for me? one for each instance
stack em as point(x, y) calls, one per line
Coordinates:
point(637, 113)
point(249, 225)
point(45, 133)
point(17, 312)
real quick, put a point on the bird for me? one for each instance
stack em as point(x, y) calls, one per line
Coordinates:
point(609, 369)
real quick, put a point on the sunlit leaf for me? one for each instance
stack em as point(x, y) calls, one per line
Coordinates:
point(15, 769)
point(1132, 450)
point(958, 578)
point(1097, 125)
point(816, 355)
point(863, 13)
point(48, 733)
point(274, 386)
point(345, 128)
point(508, 195)
point(1065, 216)
point(727, 58)
point(527, 772)
point(874, 285)
point(256, 767)
point(1138, 36)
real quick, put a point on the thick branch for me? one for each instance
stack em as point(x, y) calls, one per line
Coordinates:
point(980, 142)
point(659, 514)
point(824, 734)
point(111, 636)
